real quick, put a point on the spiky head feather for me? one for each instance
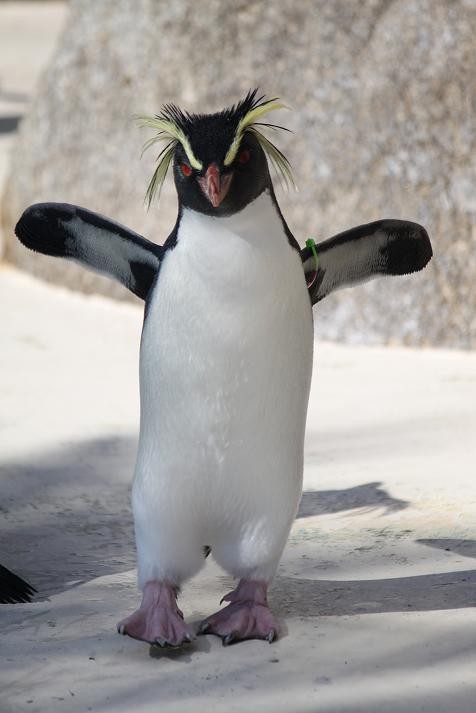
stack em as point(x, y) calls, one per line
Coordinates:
point(215, 133)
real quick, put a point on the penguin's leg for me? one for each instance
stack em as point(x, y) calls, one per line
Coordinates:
point(158, 619)
point(250, 554)
point(168, 552)
point(248, 615)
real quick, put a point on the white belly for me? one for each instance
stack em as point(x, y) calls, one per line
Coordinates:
point(225, 371)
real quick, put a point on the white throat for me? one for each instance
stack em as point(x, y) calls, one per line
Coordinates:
point(259, 224)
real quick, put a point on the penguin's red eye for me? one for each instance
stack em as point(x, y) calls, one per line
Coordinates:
point(186, 170)
point(244, 156)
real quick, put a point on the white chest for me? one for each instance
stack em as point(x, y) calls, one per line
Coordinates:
point(228, 335)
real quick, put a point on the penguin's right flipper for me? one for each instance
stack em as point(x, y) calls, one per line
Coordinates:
point(65, 230)
point(14, 589)
point(385, 247)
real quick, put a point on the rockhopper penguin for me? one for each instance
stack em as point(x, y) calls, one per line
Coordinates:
point(226, 357)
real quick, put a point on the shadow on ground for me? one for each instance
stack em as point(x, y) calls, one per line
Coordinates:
point(466, 548)
point(67, 520)
point(368, 496)
point(429, 592)
point(8, 124)
point(66, 517)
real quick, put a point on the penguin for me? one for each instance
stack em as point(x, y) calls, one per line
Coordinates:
point(14, 589)
point(225, 360)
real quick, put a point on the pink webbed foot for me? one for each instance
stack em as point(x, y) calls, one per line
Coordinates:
point(158, 619)
point(246, 617)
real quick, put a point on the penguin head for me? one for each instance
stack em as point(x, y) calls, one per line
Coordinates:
point(219, 188)
point(219, 160)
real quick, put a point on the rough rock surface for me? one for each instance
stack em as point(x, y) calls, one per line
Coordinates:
point(384, 127)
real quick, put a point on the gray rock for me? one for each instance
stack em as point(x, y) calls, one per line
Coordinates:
point(383, 127)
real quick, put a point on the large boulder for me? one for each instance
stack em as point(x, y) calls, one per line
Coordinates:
point(383, 127)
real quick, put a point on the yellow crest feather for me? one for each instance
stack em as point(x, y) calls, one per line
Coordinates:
point(167, 131)
point(174, 126)
point(246, 122)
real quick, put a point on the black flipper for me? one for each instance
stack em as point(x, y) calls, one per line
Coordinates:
point(385, 247)
point(14, 589)
point(65, 230)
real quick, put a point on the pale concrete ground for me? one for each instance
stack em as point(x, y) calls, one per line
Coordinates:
point(377, 584)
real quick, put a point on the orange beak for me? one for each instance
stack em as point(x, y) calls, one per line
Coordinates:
point(214, 185)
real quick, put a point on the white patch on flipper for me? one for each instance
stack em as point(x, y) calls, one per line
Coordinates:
point(350, 263)
point(106, 252)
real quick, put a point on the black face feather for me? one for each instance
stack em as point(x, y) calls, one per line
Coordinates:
point(229, 141)
point(248, 180)
point(211, 135)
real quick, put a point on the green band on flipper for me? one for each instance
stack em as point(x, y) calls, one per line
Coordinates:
point(311, 244)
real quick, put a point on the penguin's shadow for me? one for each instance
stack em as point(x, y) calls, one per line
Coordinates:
point(428, 592)
point(367, 496)
point(66, 519)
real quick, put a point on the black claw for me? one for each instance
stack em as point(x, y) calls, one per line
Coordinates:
point(203, 628)
point(229, 638)
point(271, 636)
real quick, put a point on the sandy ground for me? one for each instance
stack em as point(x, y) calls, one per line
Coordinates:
point(376, 587)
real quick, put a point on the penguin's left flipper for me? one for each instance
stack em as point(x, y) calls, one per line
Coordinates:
point(385, 247)
point(65, 230)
